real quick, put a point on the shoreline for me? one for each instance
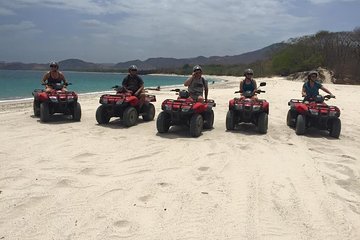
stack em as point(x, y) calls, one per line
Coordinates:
point(218, 81)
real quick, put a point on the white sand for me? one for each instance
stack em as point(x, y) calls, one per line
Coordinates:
point(66, 180)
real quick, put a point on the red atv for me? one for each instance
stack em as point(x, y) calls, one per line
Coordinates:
point(314, 113)
point(186, 111)
point(56, 101)
point(247, 109)
point(125, 106)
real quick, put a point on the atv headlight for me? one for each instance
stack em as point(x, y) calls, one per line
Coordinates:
point(333, 114)
point(104, 101)
point(167, 107)
point(256, 107)
point(238, 106)
point(119, 102)
point(314, 112)
point(186, 108)
point(53, 98)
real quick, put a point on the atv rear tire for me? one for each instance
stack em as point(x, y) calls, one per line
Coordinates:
point(263, 123)
point(230, 120)
point(149, 112)
point(290, 120)
point(36, 107)
point(130, 116)
point(44, 112)
point(196, 125)
point(76, 114)
point(208, 119)
point(102, 116)
point(300, 125)
point(163, 122)
point(335, 128)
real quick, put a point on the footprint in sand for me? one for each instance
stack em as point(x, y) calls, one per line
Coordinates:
point(64, 183)
point(203, 169)
point(87, 171)
point(145, 198)
point(124, 228)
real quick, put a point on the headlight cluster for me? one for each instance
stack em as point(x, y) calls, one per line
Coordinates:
point(256, 107)
point(314, 112)
point(167, 107)
point(333, 114)
point(238, 107)
point(53, 98)
point(186, 108)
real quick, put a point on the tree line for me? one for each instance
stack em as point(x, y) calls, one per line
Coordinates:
point(339, 52)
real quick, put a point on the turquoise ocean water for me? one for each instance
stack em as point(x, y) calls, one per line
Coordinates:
point(19, 84)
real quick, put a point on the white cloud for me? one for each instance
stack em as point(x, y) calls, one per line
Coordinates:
point(24, 26)
point(6, 12)
point(329, 1)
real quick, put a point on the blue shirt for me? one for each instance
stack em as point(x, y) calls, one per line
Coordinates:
point(248, 87)
point(312, 92)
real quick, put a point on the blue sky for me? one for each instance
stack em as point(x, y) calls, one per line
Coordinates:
point(111, 31)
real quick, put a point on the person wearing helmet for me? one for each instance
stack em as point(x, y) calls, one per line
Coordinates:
point(53, 76)
point(197, 85)
point(248, 84)
point(311, 87)
point(133, 83)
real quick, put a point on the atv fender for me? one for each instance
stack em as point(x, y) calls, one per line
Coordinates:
point(133, 100)
point(199, 107)
point(231, 104)
point(265, 106)
point(301, 108)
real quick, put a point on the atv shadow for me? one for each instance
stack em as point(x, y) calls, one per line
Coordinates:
point(245, 128)
point(118, 124)
point(57, 119)
point(317, 133)
point(179, 131)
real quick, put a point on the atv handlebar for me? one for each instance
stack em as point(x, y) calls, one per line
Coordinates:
point(257, 91)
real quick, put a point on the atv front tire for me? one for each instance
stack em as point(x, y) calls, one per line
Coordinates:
point(196, 125)
point(163, 122)
point(36, 107)
point(208, 119)
point(263, 123)
point(149, 112)
point(335, 128)
point(44, 112)
point(102, 116)
point(300, 125)
point(230, 120)
point(130, 116)
point(290, 120)
point(76, 112)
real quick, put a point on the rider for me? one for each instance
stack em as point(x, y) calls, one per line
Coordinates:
point(311, 87)
point(133, 83)
point(53, 76)
point(197, 85)
point(248, 84)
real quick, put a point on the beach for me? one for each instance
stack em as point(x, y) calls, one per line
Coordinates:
point(81, 180)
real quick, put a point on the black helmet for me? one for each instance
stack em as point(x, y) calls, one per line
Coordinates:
point(184, 94)
point(54, 64)
point(248, 71)
point(196, 68)
point(133, 67)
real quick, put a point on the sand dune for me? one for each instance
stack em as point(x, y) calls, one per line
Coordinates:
point(66, 180)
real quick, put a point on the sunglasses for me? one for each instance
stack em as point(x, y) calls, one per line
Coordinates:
point(53, 66)
point(133, 70)
point(249, 74)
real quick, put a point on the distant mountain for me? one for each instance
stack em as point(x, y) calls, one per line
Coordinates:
point(168, 63)
point(152, 63)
